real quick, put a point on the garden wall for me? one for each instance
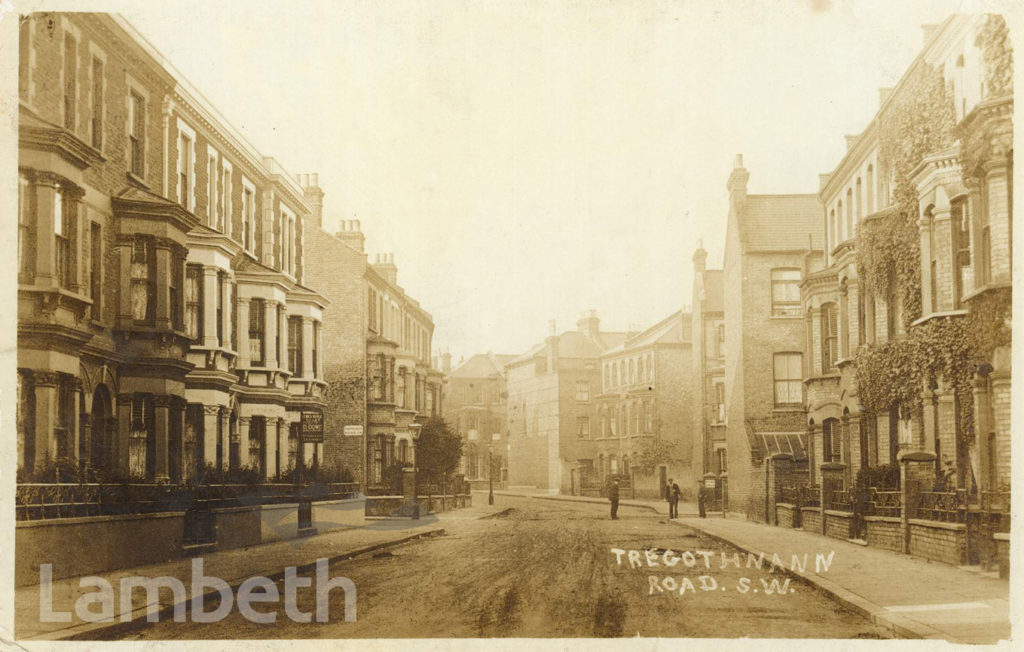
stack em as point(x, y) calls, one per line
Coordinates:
point(787, 515)
point(810, 518)
point(946, 542)
point(837, 524)
point(884, 532)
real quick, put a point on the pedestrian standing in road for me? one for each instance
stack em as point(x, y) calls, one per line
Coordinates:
point(674, 504)
point(702, 498)
point(613, 495)
point(668, 496)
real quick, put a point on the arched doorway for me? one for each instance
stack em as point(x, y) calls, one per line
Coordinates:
point(101, 436)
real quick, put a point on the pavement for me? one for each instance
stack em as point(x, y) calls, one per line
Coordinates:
point(233, 566)
point(931, 600)
point(913, 597)
point(657, 506)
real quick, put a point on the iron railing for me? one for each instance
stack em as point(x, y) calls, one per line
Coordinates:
point(841, 500)
point(884, 503)
point(38, 501)
point(942, 506)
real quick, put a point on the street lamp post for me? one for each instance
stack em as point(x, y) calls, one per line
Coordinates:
point(490, 477)
point(414, 430)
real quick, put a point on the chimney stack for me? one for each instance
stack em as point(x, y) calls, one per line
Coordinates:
point(385, 266)
point(446, 363)
point(314, 196)
point(588, 324)
point(700, 258)
point(737, 184)
point(552, 348)
point(352, 235)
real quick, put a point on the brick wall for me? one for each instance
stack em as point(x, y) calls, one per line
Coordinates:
point(533, 416)
point(810, 518)
point(786, 515)
point(1001, 407)
point(674, 388)
point(945, 542)
point(884, 532)
point(336, 271)
point(565, 446)
point(837, 524)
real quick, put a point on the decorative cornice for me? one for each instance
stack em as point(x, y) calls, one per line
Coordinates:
point(60, 141)
point(45, 378)
point(156, 209)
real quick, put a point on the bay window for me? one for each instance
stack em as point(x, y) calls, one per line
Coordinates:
point(26, 227)
point(143, 280)
point(829, 337)
point(194, 302)
point(62, 238)
point(257, 332)
point(295, 346)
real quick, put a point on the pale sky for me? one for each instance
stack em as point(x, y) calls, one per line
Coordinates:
point(526, 161)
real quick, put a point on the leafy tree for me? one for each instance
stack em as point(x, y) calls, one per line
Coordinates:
point(438, 450)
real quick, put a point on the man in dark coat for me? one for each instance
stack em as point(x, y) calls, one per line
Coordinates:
point(613, 495)
point(673, 506)
point(703, 497)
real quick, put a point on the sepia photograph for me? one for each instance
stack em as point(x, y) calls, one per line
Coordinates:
point(510, 319)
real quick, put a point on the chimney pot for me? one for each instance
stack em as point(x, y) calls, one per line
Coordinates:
point(316, 178)
point(739, 161)
point(356, 223)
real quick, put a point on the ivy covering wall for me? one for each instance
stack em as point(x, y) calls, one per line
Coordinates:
point(944, 351)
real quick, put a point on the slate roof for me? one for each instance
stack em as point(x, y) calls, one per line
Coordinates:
point(481, 365)
point(782, 222)
point(668, 330)
point(574, 344)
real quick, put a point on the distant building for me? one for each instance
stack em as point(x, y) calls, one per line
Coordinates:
point(709, 407)
point(768, 238)
point(645, 398)
point(476, 406)
point(551, 407)
point(377, 350)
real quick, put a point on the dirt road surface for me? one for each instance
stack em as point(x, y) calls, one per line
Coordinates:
point(547, 569)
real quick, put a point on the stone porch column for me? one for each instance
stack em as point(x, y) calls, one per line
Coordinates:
point(243, 441)
point(75, 418)
point(124, 426)
point(270, 448)
point(226, 437)
point(210, 413)
point(243, 331)
point(45, 415)
point(162, 405)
